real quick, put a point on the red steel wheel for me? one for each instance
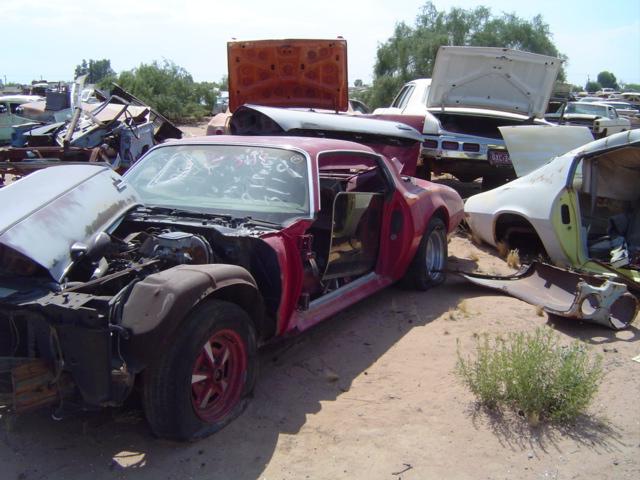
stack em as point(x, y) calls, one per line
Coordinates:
point(202, 380)
point(218, 375)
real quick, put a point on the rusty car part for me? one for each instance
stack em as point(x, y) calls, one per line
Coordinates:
point(305, 73)
point(566, 293)
point(33, 384)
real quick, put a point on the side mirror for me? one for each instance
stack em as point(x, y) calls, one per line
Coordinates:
point(78, 250)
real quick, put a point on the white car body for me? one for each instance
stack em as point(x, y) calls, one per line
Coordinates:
point(475, 90)
point(411, 100)
point(548, 199)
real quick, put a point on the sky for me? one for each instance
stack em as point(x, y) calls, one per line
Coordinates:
point(47, 39)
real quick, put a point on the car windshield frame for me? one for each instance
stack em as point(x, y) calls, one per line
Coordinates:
point(586, 108)
point(181, 195)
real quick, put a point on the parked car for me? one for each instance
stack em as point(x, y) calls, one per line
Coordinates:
point(475, 90)
point(10, 116)
point(172, 276)
point(410, 100)
point(600, 118)
point(579, 210)
point(624, 109)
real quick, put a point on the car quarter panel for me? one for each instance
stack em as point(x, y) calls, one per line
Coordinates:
point(533, 197)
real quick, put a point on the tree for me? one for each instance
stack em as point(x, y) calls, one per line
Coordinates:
point(358, 83)
point(168, 88)
point(631, 87)
point(411, 51)
point(97, 70)
point(592, 86)
point(607, 80)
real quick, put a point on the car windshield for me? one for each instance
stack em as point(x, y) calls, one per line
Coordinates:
point(586, 108)
point(242, 181)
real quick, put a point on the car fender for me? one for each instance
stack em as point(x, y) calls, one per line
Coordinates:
point(160, 302)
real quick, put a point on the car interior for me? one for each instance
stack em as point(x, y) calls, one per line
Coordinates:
point(609, 200)
point(346, 232)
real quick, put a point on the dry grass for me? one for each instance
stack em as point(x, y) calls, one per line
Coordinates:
point(463, 307)
point(539, 311)
point(513, 258)
point(474, 257)
point(503, 249)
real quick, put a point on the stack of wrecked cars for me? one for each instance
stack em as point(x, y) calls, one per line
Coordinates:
point(579, 211)
point(116, 130)
point(170, 277)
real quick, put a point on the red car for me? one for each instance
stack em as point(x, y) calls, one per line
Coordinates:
point(173, 275)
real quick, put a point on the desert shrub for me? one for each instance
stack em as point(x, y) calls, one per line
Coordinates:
point(532, 373)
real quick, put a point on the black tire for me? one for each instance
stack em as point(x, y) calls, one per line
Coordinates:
point(169, 394)
point(428, 266)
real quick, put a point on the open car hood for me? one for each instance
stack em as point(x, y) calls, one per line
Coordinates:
point(288, 73)
point(493, 78)
point(58, 206)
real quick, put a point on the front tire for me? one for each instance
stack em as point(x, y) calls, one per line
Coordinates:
point(200, 384)
point(428, 266)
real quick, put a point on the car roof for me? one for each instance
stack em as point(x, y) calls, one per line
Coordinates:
point(311, 145)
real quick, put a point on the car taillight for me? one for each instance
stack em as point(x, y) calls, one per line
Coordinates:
point(450, 145)
point(430, 144)
point(471, 147)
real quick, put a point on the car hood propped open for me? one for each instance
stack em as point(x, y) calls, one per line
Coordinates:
point(493, 78)
point(288, 73)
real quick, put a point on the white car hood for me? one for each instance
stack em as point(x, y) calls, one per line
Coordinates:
point(531, 146)
point(493, 78)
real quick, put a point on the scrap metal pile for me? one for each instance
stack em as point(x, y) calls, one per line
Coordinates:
point(116, 130)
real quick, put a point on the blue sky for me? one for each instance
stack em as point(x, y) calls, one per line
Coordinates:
point(47, 39)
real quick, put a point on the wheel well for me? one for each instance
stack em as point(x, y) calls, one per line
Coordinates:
point(250, 300)
point(442, 214)
point(517, 232)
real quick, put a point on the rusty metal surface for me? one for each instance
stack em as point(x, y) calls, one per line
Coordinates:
point(34, 385)
point(566, 293)
point(56, 207)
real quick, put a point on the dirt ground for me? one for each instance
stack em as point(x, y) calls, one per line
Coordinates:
point(368, 394)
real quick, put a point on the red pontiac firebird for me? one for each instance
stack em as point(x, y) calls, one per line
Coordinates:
point(207, 248)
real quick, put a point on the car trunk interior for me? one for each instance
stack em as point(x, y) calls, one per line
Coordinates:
point(609, 200)
point(474, 124)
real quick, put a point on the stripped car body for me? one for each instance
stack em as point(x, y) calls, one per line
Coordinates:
point(580, 208)
point(206, 248)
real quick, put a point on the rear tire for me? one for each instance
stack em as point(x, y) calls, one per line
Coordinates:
point(430, 261)
point(201, 383)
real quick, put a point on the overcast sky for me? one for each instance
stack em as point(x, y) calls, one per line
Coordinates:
point(47, 39)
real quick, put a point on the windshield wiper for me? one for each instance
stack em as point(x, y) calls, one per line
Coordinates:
point(256, 222)
point(177, 212)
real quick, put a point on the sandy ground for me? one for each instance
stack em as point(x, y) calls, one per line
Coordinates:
point(368, 394)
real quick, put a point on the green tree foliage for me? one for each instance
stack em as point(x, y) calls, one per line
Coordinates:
point(607, 80)
point(631, 87)
point(411, 52)
point(97, 70)
point(170, 89)
point(592, 86)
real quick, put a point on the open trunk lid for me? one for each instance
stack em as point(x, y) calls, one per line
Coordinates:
point(288, 73)
point(493, 78)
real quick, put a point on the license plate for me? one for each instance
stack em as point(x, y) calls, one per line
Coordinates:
point(499, 158)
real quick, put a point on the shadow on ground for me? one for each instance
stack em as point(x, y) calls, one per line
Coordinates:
point(296, 377)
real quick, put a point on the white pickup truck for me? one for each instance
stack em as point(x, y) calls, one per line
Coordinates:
point(602, 119)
